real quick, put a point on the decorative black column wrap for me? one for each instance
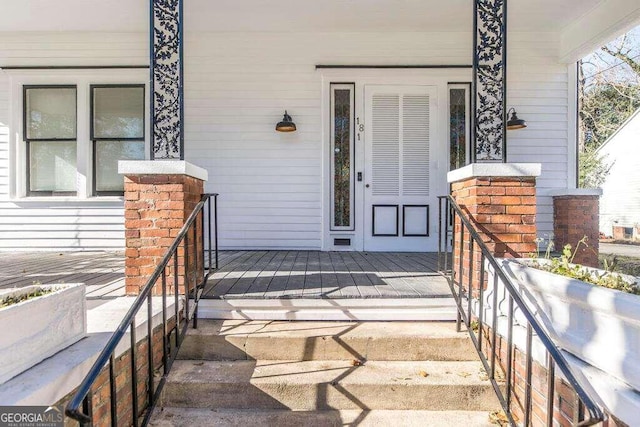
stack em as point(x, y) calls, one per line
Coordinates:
point(167, 103)
point(490, 80)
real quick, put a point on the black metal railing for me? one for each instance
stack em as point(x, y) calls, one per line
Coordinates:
point(472, 300)
point(190, 241)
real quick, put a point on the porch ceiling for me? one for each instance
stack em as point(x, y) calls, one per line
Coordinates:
point(287, 15)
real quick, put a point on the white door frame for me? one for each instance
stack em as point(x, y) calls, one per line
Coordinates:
point(440, 78)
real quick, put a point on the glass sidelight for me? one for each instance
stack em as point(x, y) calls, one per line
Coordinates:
point(342, 156)
point(459, 125)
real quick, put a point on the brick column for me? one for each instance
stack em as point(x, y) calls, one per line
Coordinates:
point(575, 216)
point(500, 200)
point(159, 197)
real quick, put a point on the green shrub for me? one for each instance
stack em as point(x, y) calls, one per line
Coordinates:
point(622, 264)
point(16, 299)
point(564, 266)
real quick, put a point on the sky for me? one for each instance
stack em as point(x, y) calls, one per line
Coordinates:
point(601, 65)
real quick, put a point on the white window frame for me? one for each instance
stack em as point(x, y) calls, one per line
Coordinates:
point(82, 79)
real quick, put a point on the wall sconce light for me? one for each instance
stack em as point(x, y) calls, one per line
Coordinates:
point(514, 122)
point(286, 125)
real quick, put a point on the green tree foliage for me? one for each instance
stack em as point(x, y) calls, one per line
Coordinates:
point(593, 168)
point(605, 108)
point(609, 94)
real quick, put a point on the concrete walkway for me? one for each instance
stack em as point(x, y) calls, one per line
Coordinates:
point(620, 249)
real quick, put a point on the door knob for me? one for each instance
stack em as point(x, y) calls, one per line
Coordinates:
point(367, 185)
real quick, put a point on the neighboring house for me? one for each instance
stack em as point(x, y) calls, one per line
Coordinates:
point(75, 96)
point(620, 201)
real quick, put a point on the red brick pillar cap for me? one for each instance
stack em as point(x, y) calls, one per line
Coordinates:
point(161, 167)
point(575, 192)
point(510, 170)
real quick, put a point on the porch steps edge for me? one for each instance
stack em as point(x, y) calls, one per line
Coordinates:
point(323, 385)
point(313, 340)
point(183, 417)
point(372, 309)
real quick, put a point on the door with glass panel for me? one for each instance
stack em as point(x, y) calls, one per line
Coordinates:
point(399, 201)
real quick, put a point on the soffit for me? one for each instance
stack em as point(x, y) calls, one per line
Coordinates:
point(286, 15)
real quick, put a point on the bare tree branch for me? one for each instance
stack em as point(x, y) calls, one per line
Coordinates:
point(624, 57)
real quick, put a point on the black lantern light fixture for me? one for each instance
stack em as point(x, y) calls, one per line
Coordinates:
point(286, 125)
point(514, 122)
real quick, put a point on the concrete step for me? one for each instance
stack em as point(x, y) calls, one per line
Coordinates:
point(321, 385)
point(283, 340)
point(186, 417)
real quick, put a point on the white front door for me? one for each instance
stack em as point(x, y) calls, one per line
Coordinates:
point(400, 206)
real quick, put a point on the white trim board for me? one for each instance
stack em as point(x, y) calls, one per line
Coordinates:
point(161, 167)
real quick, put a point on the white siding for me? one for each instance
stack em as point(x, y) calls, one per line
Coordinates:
point(28, 224)
point(620, 201)
point(63, 225)
point(4, 135)
point(538, 88)
point(237, 86)
point(72, 48)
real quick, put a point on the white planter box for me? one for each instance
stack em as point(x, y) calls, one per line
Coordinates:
point(37, 328)
point(599, 325)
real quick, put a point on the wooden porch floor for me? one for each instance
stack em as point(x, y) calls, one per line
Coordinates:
point(102, 272)
point(326, 275)
point(247, 274)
